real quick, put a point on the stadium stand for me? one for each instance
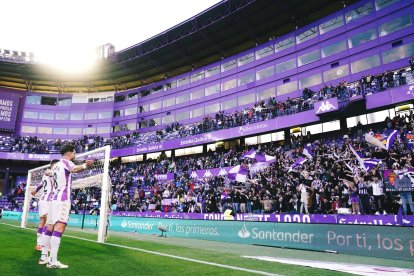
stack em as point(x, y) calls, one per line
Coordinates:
point(287, 76)
point(261, 111)
point(269, 191)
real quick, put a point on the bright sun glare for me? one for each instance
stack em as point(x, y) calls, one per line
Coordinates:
point(64, 34)
point(68, 60)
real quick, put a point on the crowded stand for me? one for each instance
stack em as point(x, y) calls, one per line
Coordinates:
point(260, 111)
point(316, 186)
point(272, 190)
point(323, 183)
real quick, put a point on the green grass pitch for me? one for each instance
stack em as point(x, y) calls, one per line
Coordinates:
point(85, 257)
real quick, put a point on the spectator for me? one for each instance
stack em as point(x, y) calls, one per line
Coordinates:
point(378, 192)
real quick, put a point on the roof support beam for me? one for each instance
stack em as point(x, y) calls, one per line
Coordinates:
point(188, 27)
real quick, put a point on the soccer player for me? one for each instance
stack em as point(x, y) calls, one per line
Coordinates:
point(59, 216)
point(44, 202)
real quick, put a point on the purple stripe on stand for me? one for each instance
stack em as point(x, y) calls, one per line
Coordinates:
point(48, 233)
point(57, 234)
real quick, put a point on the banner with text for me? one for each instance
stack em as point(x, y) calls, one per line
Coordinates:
point(386, 220)
point(399, 181)
point(29, 156)
point(9, 104)
point(385, 242)
point(91, 221)
point(380, 220)
point(365, 240)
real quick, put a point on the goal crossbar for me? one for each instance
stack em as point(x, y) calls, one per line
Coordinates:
point(93, 177)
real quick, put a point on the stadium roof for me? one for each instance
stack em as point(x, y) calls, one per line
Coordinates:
point(221, 31)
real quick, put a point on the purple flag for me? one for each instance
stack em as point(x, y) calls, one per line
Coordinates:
point(224, 195)
point(390, 138)
point(384, 141)
point(307, 151)
point(265, 158)
point(250, 154)
point(300, 161)
point(358, 157)
point(238, 173)
point(369, 164)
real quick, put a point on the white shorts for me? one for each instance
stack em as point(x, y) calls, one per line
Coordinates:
point(44, 207)
point(59, 212)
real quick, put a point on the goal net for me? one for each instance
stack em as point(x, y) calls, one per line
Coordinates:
point(96, 176)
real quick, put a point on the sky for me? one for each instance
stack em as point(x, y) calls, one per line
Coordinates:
point(52, 27)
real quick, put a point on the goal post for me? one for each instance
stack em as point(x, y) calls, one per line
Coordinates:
point(96, 175)
point(34, 178)
point(105, 197)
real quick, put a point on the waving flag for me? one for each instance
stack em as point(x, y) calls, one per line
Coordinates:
point(383, 141)
point(369, 164)
point(360, 161)
point(238, 173)
point(300, 161)
point(390, 138)
point(351, 168)
point(224, 195)
point(250, 154)
point(307, 151)
point(260, 157)
point(265, 158)
point(374, 141)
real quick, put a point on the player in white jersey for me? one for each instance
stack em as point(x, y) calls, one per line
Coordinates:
point(44, 202)
point(59, 215)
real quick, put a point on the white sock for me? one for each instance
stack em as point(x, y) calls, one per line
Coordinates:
point(47, 235)
point(39, 239)
point(39, 235)
point(54, 245)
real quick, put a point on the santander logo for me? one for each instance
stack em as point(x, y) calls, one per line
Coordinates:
point(244, 233)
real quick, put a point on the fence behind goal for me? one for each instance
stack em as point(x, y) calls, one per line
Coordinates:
point(96, 175)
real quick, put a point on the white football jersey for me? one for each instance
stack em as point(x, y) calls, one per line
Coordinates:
point(62, 180)
point(47, 187)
